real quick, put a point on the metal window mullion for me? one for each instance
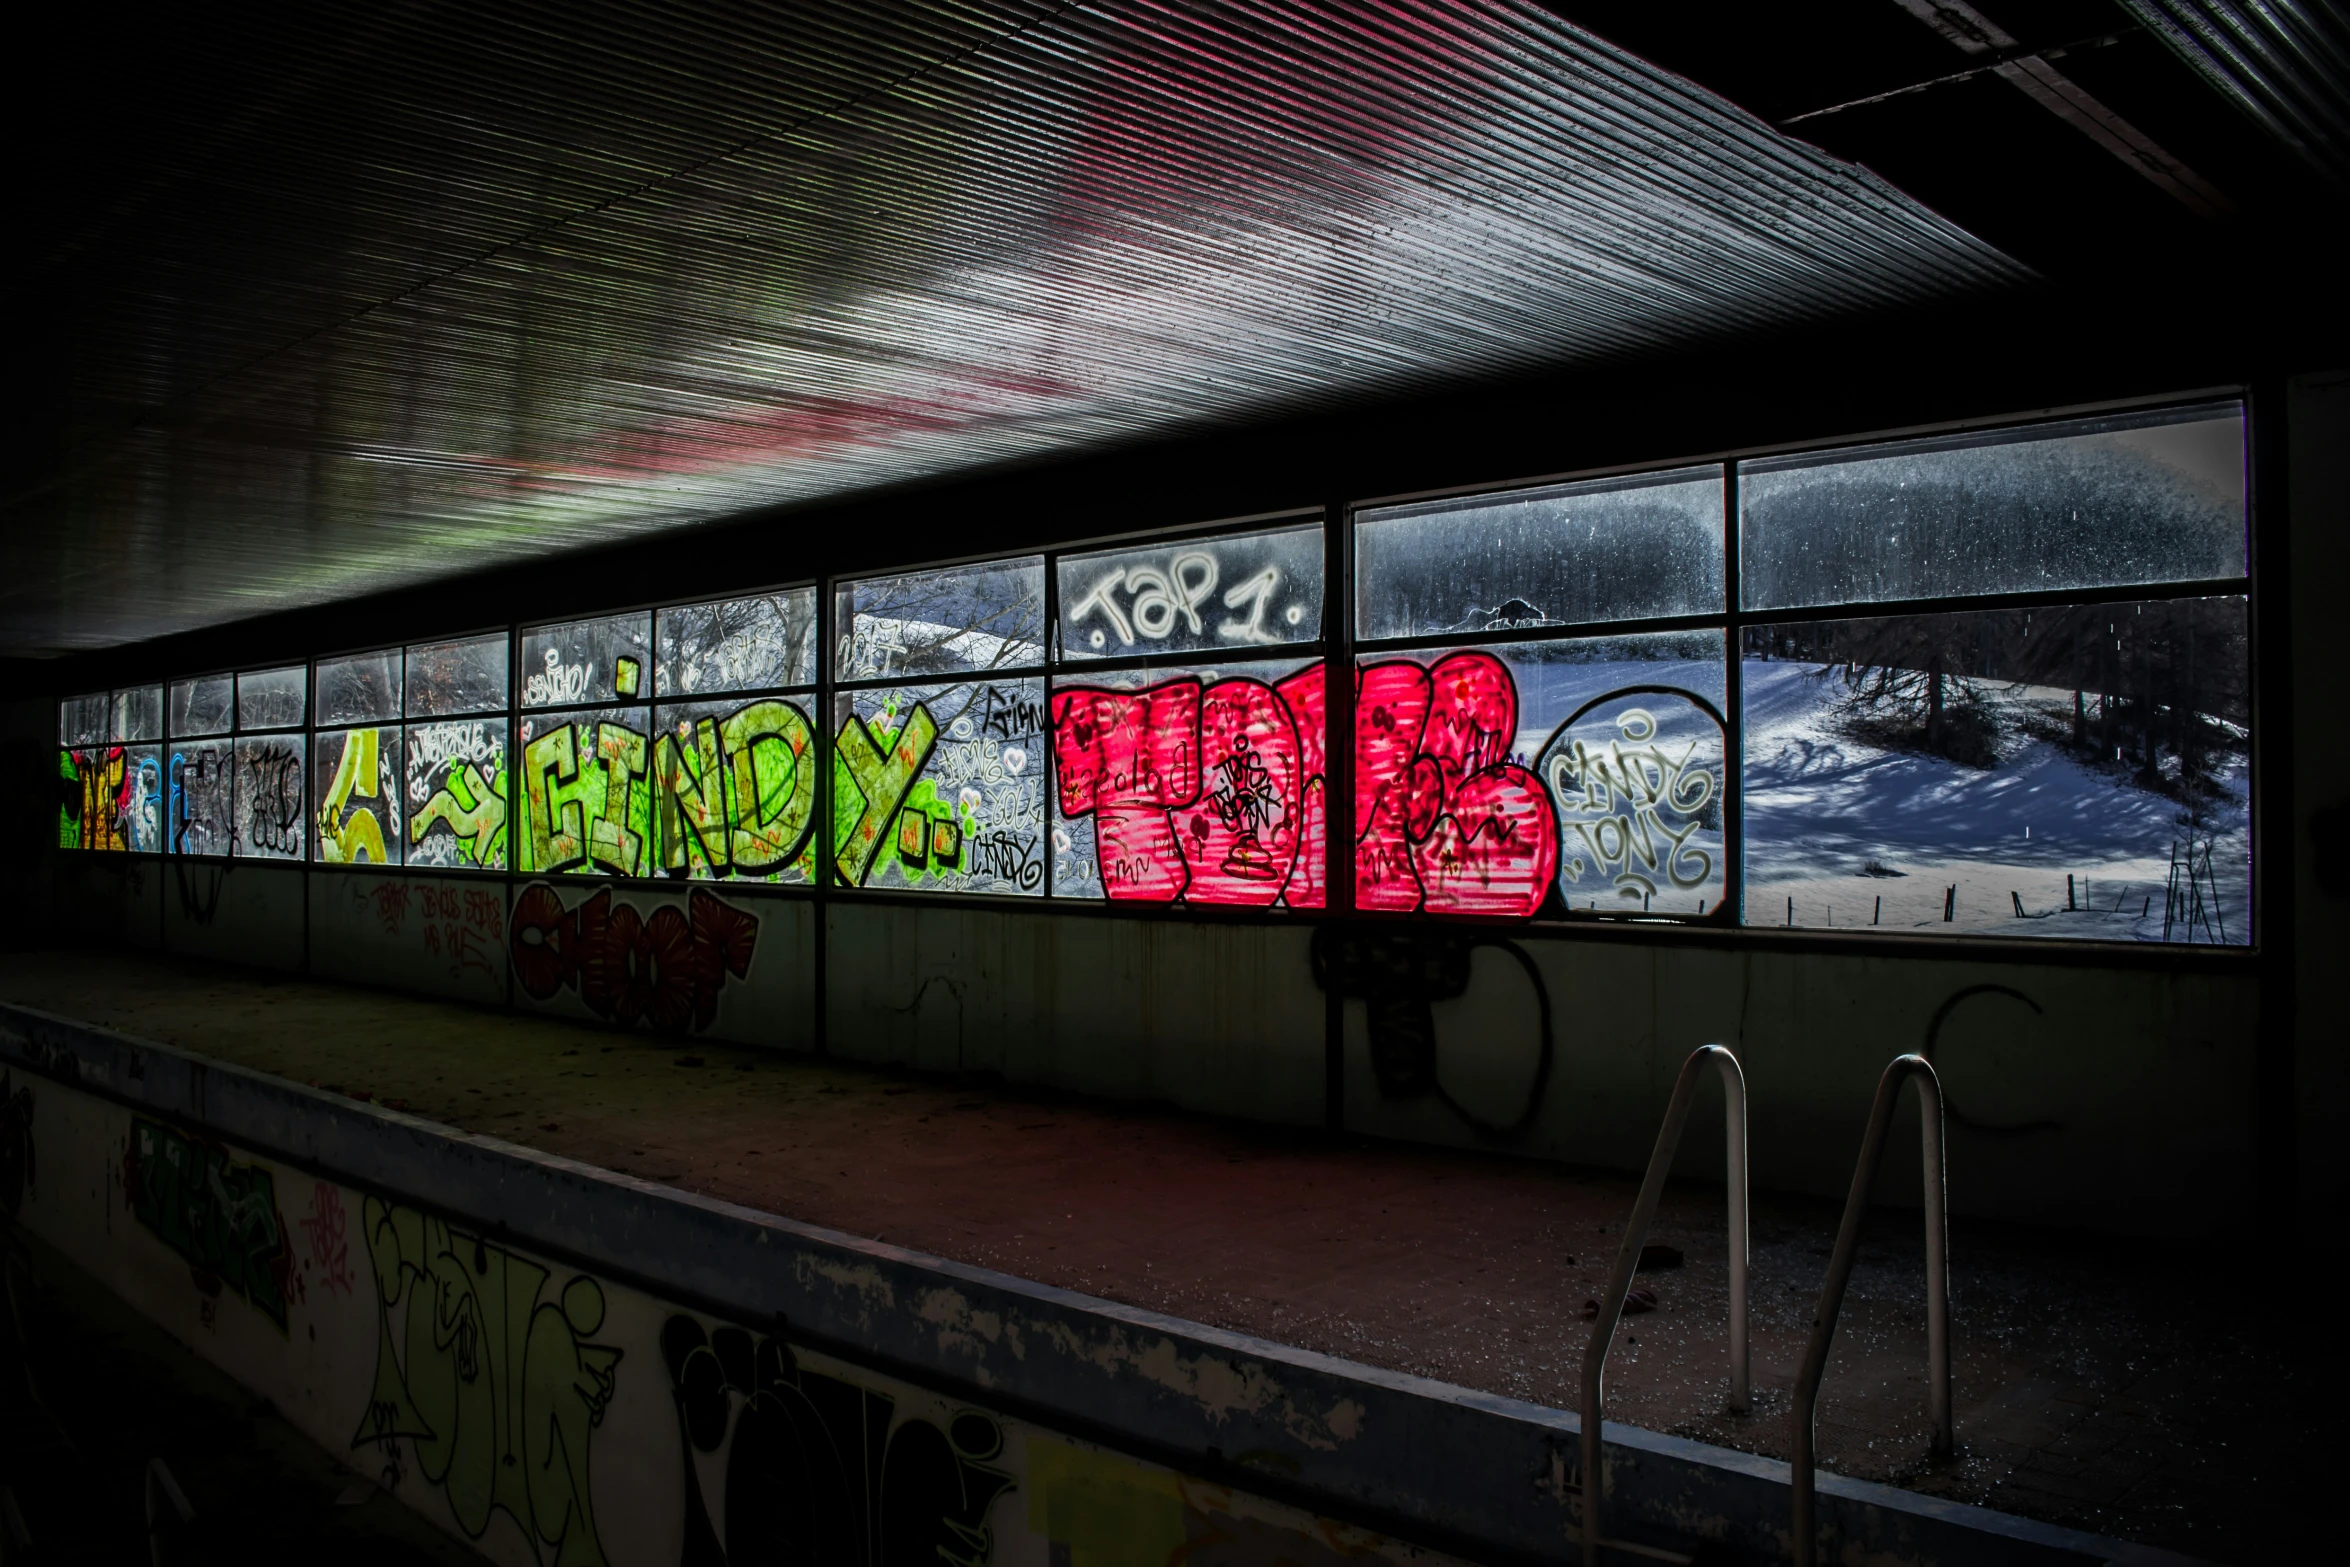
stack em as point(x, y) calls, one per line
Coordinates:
point(820, 879)
point(1338, 879)
point(1733, 912)
point(1052, 766)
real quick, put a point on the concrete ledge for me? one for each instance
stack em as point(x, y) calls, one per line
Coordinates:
point(1467, 1472)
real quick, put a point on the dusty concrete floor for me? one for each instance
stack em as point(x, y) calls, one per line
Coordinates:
point(2156, 1393)
point(123, 1391)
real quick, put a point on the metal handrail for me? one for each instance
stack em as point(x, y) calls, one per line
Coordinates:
point(1823, 1322)
point(1619, 1284)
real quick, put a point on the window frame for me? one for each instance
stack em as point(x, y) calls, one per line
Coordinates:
point(1341, 654)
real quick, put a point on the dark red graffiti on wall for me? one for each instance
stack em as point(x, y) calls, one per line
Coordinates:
point(1444, 820)
point(665, 968)
point(1209, 793)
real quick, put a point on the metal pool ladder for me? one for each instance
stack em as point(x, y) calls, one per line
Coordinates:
point(1823, 1322)
point(1619, 1284)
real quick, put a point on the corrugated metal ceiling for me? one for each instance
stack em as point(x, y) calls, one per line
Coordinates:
point(425, 287)
point(2284, 63)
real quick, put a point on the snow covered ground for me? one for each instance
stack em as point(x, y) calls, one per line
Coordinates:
point(1820, 806)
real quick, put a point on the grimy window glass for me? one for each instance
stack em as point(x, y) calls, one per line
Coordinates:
point(734, 789)
point(1196, 780)
point(204, 705)
point(457, 802)
point(271, 698)
point(81, 720)
point(359, 688)
point(941, 786)
point(1579, 774)
point(584, 800)
point(1217, 594)
point(197, 765)
point(266, 815)
point(449, 679)
point(2068, 770)
point(136, 714)
point(113, 770)
point(765, 642)
point(356, 778)
point(588, 661)
point(2113, 501)
point(1200, 783)
point(979, 619)
point(1562, 555)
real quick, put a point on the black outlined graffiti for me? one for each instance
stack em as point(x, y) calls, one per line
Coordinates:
point(820, 1470)
point(487, 1375)
point(1950, 1004)
point(1398, 972)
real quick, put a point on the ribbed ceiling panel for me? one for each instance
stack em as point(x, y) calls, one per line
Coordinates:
point(2285, 63)
point(455, 288)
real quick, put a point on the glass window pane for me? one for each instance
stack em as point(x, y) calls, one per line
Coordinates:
point(136, 714)
point(271, 698)
point(957, 620)
point(457, 796)
point(1197, 785)
point(82, 720)
point(356, 776)
point(197, 804)
point(114, 802)
point(746, 644)
point(585, 795)
point(588, 661)
point(268, 795)
point(465, 676)
point(1562, 555)
point(1581, 774)
point(2085, 503)
point(360, 689)
point(1225, 594)
point(205, 705)
point(2076, 771)
point(734, 790)
point(942, 787)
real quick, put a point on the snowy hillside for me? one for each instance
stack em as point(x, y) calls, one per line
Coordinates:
point(1821, 806)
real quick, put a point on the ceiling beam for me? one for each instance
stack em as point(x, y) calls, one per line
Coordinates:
point(1971, 32)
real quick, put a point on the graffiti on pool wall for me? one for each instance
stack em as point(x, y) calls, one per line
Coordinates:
point(666, 968)
point(1444, 821)
point(460, 926)
point(219, 1215)
point(1207, 793)
point(16, 1145)
point(818, 1469)
point(487, 1375)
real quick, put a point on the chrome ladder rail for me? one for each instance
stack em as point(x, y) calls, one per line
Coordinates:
point(1823, 1323)
point(1619, 1284)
